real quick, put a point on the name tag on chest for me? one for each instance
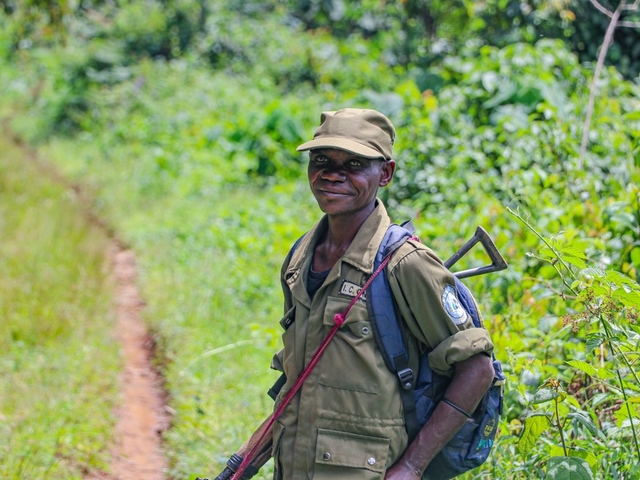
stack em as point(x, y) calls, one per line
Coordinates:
point(351, 289)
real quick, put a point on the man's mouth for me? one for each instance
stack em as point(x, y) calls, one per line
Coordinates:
point(331, 193)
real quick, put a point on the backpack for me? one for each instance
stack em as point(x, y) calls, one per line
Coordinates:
point(420, 393)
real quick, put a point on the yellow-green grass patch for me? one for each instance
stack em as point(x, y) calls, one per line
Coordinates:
point(58, 358)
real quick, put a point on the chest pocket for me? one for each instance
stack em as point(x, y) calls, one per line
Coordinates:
point(349, 456)
point(350, 361)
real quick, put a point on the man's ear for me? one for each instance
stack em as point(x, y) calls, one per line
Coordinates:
point(388, 167)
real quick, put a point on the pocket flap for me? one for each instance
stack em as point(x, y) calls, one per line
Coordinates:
point(351, 450)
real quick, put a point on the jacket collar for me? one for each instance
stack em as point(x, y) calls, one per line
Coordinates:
point(360, 254)
point(364, 247)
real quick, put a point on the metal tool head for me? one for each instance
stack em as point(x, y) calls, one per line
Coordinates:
point(497, 261)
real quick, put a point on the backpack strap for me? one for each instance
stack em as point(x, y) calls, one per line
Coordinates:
point(382, 312)
point(386, 328)
point(468, 302)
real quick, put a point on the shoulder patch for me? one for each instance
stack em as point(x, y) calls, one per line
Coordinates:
point(452, 305)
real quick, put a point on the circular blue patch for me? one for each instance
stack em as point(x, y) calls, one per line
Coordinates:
point(452, 305)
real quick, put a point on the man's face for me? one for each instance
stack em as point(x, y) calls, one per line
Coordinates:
point(344, 183)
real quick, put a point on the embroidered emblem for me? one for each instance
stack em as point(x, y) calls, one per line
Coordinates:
point(452, 305)
point(351, 289)
point(488, 429)
point(484, 443)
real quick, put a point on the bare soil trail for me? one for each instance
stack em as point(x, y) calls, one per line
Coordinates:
point(142, 414)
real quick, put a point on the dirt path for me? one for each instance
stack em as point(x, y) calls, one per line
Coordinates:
point(142, 417)
point(142, 414)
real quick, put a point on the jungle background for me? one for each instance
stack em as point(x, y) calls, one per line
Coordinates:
point(180, 118)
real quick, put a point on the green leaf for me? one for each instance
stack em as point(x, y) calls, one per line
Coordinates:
point(630, 386)
point(558, 451)
point(572, 251)
point(586, 422)
point(534, 426)
point(601, 373)
point(632, 115)
point(568, 468)
point(544, 395)
point(577, 284)
point(619, 279)
point(575, 261)
point(604, 373)
point(593, 272)
point(590, 458)
point(583, 366)
point(624, 218)
point(625, 415)
point(594, 341)
point(628, 299)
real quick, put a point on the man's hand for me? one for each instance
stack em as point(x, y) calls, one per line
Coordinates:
point(471, 380)
point(402, 471)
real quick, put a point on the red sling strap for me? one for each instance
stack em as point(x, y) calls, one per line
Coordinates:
point(338, 321)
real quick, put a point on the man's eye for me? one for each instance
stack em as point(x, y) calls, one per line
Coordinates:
point(320, 159)
point(356, 163)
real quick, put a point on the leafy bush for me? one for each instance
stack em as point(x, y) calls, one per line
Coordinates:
point(192, 158)
point(420, 34)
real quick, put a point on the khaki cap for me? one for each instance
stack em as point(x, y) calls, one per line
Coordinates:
point(366, 133)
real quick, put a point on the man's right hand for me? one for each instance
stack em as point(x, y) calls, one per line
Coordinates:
point(401, 471)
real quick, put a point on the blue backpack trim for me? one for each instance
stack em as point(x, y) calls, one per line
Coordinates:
point(420, 393)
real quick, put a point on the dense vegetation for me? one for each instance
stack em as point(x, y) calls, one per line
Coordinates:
point(182, 118)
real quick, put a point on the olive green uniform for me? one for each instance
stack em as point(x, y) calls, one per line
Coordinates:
point(347, 420)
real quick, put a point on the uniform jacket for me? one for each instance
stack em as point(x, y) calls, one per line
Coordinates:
point(347, 420)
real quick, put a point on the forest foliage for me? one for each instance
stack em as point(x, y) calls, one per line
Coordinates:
point(182, 117)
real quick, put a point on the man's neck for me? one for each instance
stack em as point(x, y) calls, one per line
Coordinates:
point(341, 231)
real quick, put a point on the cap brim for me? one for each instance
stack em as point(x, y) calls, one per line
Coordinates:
point(341, 144)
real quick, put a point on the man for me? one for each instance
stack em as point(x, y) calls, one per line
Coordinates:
point(347, 420)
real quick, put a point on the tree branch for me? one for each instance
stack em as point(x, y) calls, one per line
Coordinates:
point(625, 6)
point(608, 38)
point(601, 8)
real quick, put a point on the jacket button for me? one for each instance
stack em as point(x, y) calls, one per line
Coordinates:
point(365, 330)
point(326, 456)
point(371, 461)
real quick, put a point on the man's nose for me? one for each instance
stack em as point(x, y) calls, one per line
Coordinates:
point(333, 172)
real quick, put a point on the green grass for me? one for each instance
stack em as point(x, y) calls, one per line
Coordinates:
point(58, 358)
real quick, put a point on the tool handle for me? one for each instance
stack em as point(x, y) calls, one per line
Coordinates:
point(497, 261)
